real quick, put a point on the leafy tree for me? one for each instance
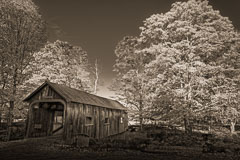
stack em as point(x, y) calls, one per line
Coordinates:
point(192, 44)
point(62, 63)
point(129, 84)
point(181, 60)
point(22, 32)
point(226, 88)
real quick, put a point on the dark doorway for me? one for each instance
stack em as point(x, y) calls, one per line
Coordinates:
point(47, 119)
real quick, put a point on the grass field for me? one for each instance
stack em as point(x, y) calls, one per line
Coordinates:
point(45, 148)
point(133, 146)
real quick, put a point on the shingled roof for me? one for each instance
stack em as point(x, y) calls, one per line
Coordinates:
point(74, 95)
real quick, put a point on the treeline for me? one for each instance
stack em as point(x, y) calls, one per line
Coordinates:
point(183, 65)
point(27, 59)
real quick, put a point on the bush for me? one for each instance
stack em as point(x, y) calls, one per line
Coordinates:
point(138, 143)
point(158, 135)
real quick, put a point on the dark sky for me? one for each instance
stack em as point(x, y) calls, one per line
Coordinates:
point(98, 25)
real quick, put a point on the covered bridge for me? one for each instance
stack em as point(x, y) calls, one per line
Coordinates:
point(58, 109)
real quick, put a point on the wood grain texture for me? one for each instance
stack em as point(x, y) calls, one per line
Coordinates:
point(78, 119)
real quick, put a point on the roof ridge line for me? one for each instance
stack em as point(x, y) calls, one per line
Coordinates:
point(75, 95)
point(84, 91)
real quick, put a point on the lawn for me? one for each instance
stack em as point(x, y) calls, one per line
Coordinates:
point(53, 148)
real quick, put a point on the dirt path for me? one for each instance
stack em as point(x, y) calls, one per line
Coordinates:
point(38, 149)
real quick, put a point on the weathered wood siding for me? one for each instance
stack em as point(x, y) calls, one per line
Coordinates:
point(40, 119)
point(41, 124)
point(45, 93)
point(76, 115)
point(105, 121)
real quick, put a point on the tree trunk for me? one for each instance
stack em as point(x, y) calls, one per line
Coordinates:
point(187, 126)
point(96, 77)
point(0, 120)
point(209, 128)
point(10, 118)
point(210, 125)
point(141, 122)
point(1, 110)
point(232, 127)
point(141, 113)
point(140, 117)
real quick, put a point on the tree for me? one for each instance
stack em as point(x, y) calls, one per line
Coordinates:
point(178, 63)
point(95, 76)
point(22, 31)
point(96, 73)
point(227, 102)
point(129, 84)
point(62, 63)
point(192, 45)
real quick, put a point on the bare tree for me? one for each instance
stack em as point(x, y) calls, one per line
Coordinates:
point(96, 75)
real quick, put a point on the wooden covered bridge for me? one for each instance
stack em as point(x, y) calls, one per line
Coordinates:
point(58, 109)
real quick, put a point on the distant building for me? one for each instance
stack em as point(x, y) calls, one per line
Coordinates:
point(58, 109)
